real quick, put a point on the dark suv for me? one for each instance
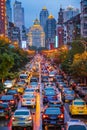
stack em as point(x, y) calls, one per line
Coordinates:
point(5, 110)
point(52, 116)
point(10, 99)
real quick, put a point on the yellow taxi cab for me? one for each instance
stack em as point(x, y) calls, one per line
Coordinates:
point(78, 107)
point(20, 86)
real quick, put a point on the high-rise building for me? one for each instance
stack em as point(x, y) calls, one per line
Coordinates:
point(43, 17)
point(8, 10)
point(18, 14)
point(50, 31)
point(70, 12)
point(60, 28)
point(2, 17)
point(36, 35)
point(14, 34)
point(84, 18)
point(60, 17)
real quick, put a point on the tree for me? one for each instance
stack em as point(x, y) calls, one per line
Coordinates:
point(6, 62)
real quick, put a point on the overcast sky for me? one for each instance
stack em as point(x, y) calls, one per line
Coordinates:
point(32, 8)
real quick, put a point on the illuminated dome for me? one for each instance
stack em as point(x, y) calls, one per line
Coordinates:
point(50, 16)
point(36, 35)
point(70, 7)
point(44, 8)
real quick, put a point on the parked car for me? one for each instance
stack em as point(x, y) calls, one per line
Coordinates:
point(22, 118)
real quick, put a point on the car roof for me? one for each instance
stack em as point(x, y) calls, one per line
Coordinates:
point(22, 109)
point(75, 122)
point(78, 100)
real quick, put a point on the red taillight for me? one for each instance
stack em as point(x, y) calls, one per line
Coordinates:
point(45, 96)
point(45, 116)
point(61, 116)
point(62, 109)
point(23, 100)
point(6, 116)
point(32, 100)
point(12, 101)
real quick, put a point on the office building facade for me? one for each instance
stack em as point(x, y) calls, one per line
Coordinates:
point(18, 14)
point(84, 18)
point(43, 17)
point(8, 10)
point(2, 17)
point(50, 32)
point(36, 35)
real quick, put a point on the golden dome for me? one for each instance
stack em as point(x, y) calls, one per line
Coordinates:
point(44, 8)
point(50, 16)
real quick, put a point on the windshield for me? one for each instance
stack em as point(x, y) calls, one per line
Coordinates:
point(79, 103)
point(23, 76)
point(52, 111)
point(22, 113)
point(77, 127)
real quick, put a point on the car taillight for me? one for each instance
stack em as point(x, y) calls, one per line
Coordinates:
point(23, 100)
point(1, 101)
point(61, 116)
point(13, 118)
point(6, 116)
point(12, 101)
point(45, 116)
point(30, 118)
point(62, 109)
point(6, 109)
point(32, 100)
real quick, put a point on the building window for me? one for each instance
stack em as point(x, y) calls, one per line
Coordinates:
point(85, 25)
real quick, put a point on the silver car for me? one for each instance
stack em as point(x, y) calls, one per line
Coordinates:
point(22, 118)
point(29, 100)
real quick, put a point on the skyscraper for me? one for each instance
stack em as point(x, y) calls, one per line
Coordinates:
point(60, 17)
point(36, 35)
point(18, 14)
point(70, 12)
point(8, 10)
point(50, 31)
point(43, 17)
point(2, 17)
point(84, 18)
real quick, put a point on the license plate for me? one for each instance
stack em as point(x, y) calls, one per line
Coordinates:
point(53, 122)
point(21, 119)
point(21, 123)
